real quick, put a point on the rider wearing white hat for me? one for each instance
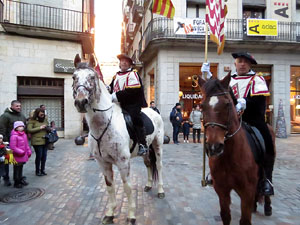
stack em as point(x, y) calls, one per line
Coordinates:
point(127, 88)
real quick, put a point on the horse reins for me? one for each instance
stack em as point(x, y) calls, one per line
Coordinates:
point(98, 140)
point(225, 127)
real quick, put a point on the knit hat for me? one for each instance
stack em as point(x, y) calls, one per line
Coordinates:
point(18, 124)
point(177, 104)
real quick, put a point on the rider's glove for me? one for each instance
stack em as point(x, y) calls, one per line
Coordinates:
point(241, 105)
point(2, 158)
point(205, 68)
point(114, 97)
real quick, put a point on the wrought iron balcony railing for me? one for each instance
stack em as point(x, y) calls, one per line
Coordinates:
point(235, 29)
point(34, 15)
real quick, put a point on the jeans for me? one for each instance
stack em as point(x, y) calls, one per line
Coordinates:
point(198, 134)
point(175, 133)
point(40, 157)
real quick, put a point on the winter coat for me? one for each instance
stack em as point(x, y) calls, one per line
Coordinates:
point(7, 120)
point(37, 135)
point(175, 113)
point(195, 118)
point(19, 146)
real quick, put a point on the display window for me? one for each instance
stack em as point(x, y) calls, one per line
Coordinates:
point(295, 99)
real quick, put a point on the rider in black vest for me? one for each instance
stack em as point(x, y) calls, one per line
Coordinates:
point(251, 90)
point(127, 88)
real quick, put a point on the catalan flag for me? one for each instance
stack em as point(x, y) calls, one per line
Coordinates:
point(164, 8)
point(216, 11)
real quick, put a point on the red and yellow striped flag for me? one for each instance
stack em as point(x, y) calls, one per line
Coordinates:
point(164, 8)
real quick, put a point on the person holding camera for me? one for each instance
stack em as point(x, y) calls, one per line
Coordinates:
point(38, 128)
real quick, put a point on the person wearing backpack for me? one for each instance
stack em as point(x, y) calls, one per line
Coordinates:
point(176, 119)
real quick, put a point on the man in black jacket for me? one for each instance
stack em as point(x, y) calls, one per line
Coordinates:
point(176, 119)
point(7, 119)
point(127, 88)
point(251, 90)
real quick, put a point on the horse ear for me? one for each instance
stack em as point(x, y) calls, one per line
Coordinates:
point(77, 60)
point(92, 62)
point(201, 81)
point(226, 80)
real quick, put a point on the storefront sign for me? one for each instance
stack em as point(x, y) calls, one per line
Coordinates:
point(64, 66)
point(260, 27)
point(189, 26)
point(281, 10)
point(191, 96)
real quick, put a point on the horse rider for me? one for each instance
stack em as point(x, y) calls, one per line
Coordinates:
point(250, 90)
point(127, 89)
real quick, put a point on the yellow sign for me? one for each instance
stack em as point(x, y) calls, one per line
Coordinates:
point(260, 27)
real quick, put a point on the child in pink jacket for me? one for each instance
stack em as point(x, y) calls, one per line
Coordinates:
point(21, 151)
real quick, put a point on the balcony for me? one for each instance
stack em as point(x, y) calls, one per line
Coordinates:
point(47, 22)
point(137, 11)
point(161, 30)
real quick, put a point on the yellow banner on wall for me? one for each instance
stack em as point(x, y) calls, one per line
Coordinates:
point(261, 27)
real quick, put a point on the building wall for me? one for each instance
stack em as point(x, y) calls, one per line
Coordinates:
point(167, 70)
point(22, 56)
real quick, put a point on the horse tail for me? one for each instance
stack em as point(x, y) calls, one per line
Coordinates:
point(152, 158)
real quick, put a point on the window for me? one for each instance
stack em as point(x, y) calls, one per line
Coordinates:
point(295, 99)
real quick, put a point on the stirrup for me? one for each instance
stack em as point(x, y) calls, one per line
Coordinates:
point(267, 188)
point(142, 150)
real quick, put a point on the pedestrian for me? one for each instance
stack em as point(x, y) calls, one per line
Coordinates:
point(51, 146)
point(153, 106)
point(21, 152)
point(186, 130)
point(37, 127)
point(176, 119)
point(250, 91)
point(195, 119)
point(43, 107)
point(127, 89)
point(7, 119)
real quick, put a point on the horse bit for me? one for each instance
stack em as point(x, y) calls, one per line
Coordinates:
point(225, 127)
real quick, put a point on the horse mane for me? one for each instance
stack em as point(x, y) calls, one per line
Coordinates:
point(213, 86)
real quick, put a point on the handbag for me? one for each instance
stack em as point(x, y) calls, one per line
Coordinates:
point(51, 137)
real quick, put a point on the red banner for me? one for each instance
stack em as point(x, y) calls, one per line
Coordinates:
point(216, 11)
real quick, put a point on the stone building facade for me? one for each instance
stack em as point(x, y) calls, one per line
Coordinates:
point(167, 60)
point(38, 42)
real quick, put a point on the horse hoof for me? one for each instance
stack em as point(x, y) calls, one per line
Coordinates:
point(108, 220)
point(161, 195)
point(131, 221)
point(268, 211)
point(147, 189)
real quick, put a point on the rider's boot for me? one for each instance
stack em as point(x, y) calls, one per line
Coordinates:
point(143, 148)
point(268, 188)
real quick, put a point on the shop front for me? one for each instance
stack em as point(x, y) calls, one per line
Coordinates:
point(295, 99)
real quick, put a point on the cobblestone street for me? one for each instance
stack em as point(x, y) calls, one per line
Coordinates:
point(75, 190)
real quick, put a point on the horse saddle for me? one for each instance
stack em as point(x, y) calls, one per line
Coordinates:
point(256, 142)
point(148, 126)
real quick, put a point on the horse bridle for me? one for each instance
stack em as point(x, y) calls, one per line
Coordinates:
point(224, 127)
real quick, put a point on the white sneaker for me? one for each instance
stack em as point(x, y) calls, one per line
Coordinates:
point(187, 141)
point(183, 141)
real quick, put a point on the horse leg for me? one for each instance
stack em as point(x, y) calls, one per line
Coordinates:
point(110, 187)
point(247, 201)
point(148, 186)
point(157, 146)
point(224, 199)
point(268, 207)
point(124, 169)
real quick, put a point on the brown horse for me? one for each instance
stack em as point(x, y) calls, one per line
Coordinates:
point(231, 161)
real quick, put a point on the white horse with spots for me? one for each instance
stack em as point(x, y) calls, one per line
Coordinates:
point(109, 139)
